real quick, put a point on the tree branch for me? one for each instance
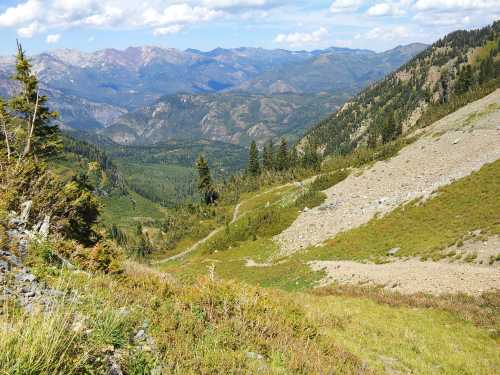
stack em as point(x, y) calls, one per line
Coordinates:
point(4, 126)
point(27, 149)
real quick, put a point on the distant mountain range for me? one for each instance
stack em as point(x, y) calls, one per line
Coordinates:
point(231, 117)
point(95, 92)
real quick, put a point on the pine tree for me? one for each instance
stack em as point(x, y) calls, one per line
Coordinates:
point(294, 157)
point(35, 134)
point(465, 80)
point(372, 137)
point(253, 160)
point(205, 185)
point(268, 156)
point(390, 129)
point(310, 158)
point(144, 245)
point(282, 159)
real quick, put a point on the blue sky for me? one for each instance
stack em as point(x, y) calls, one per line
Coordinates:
point(206, 24)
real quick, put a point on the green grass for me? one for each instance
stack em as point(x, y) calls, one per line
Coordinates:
point(251, 201)
point(162, 183)
point(205, 328)
point(422, 229)
point(405, 339)
point(39, 344)
point(127, 210)
point(325, 181)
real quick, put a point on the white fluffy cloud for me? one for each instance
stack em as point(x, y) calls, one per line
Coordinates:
point(299, 39)
point(344, 18)
point(178, 14)
point(457, 4)
point(220, 4)
point(34, 16)
point(385, 9)
point(161, 31)
point(386, 33)
point(22, 13)
point(345, 6)
point(436, 20)
point(30, 30)
point(53, 38)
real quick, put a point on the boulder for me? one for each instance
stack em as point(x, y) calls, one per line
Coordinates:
point(393, 251)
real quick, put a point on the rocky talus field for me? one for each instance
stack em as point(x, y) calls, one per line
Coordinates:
point(447, 151)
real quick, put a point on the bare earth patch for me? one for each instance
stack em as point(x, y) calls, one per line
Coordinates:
point(413, 276)
point(480, 251)
point(450, 149)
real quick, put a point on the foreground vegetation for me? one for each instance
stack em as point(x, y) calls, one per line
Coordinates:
point(207, 313)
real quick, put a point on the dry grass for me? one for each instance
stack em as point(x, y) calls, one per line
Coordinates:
point(483, 311)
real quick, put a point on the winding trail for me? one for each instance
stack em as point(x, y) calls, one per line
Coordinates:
point(202, 241)
point(236, 216)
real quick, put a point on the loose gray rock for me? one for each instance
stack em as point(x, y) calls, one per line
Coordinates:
point(140, 335)
point(44, 228)
point(4, 266)
point(393, 251)
point(253, 355)
point(25, 277)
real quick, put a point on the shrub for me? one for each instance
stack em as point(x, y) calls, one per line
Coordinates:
point(104, 256)
point(326, 181)
point(310, 198)
point(72, 207)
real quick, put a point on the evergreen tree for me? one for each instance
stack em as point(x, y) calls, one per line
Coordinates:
point(268, 155)
point(310, 157)
point(294, 157)
point(144, 245)
point(205, 185)
point(282, 158)
point(34, 132)
point(486, 69)
point(390, 129)
point(372, 136)
point(253, 160)
point(465, 80)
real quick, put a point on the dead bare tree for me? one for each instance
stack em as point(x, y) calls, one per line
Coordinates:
point(6, 134)
point(27, 148)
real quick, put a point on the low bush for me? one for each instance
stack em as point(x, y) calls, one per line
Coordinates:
point(310, 198)
point(325, 181)
point(72, 207)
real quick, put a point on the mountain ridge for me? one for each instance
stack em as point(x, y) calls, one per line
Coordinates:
point(96, 88)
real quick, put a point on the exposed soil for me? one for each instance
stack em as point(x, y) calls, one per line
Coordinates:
point(413, 276)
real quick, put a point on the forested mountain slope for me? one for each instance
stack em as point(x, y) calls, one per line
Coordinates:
point(235, 118)
point(91, 90)
point(458, 68)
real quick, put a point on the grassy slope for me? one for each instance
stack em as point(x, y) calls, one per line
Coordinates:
point(428, 336)
point(418, 228)
point(408, 340)
point(425, 228)
point(210, 326)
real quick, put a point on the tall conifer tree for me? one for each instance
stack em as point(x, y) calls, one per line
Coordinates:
point(253, 160)
point(282, 159)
